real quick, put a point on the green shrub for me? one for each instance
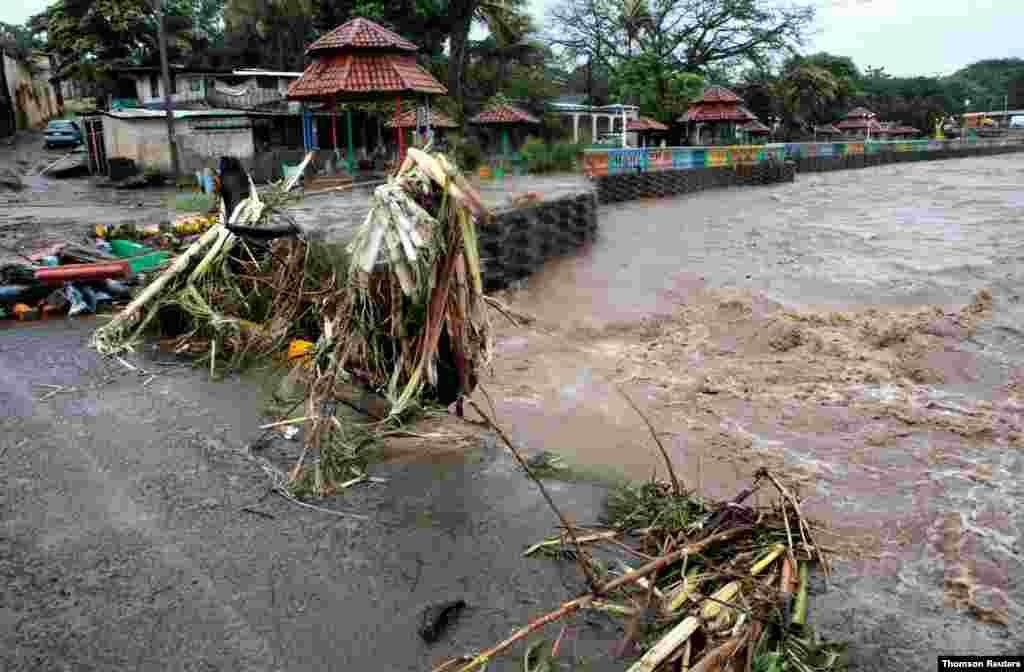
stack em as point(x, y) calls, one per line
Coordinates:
point(467, 153)
point(564, 155)
point(537, 155)
point(544, 158)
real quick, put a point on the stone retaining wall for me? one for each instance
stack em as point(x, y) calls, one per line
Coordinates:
point(518, 241)
point(618, 188)
point(821, 164)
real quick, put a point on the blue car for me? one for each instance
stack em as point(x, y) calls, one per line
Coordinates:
point(62, 133)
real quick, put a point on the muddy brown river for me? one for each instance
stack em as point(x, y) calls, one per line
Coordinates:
point(861, 330)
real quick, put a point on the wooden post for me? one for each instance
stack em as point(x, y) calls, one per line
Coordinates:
point(398, 129)
point(351, 148)
point(334, 124)
point(168, 92)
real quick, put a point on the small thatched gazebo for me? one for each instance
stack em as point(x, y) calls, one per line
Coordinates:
point(719, 108)
point(363, 61)
point(860, 122)
point(407, 120)
point(645, 127)
point(898, 131)
point(505, 116)
point(755, 129)
point(828, 130)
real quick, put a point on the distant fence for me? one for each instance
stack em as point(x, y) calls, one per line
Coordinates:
point(602, 162)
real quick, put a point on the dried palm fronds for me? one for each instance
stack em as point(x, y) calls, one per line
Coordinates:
point(399, 309)
point(715, 579)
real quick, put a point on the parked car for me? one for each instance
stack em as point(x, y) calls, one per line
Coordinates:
point(1017, 121)
point(62, 133)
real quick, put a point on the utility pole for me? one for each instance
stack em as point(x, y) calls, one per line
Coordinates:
point(168, 93)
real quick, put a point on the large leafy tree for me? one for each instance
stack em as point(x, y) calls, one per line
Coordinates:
point(807, 95)
point(694, 34)
point(497, 16)
point(90, 38)
point(269, 33)
point(660, 91)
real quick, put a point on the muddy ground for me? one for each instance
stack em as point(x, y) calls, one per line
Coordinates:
point(859, 329)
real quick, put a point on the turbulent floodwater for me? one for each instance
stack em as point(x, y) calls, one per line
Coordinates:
point(860, 329)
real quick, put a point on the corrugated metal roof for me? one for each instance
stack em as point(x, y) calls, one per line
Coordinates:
point(360, 33)
point(345, 74)
point(504, 114)
point(266, 73)
point(408, 120)
point(141, 113)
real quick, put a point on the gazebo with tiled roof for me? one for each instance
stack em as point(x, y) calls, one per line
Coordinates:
point(826, 130)
point(505, 116)
point(363, 61)
point(895, 131)
point(860, 122)
point(407, 119)
point(754, 128)
point(644, 127)
point(718, 107)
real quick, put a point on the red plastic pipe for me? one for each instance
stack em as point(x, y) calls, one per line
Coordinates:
point(72, 272)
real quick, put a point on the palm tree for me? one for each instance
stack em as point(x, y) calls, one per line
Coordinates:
point(499, 16)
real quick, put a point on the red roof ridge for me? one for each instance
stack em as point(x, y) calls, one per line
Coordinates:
point(360, 33)
point(504, 114)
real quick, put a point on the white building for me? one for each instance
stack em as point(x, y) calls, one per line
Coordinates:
point(603, 120)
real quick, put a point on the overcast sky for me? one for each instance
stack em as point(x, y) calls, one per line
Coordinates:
point(906, 37)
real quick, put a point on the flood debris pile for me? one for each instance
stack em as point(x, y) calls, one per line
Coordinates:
point(399, 309)
point(104, 269)
point(699, 586)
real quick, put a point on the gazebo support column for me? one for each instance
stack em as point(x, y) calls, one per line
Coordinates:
point(398, 129)
point(334, 125)
point(351, 147)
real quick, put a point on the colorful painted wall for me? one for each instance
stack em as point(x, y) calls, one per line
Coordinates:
point(599, 162)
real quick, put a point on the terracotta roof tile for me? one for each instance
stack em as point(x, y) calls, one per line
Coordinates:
point(360, 33)
point(407, 119)
point(352, 74)
point(645, 124)
point(717, 112)
point(504, 114)
point(718, 94)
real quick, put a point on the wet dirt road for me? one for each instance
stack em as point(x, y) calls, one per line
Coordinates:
point(859, 329)
point(136, 532)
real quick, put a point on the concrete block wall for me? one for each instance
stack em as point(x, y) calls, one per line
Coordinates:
point(518, 241)
point(821, 164)
point(628, 187)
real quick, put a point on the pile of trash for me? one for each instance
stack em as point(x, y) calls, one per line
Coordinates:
point(70, 279)
point(719, 586)
point(398, 310)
